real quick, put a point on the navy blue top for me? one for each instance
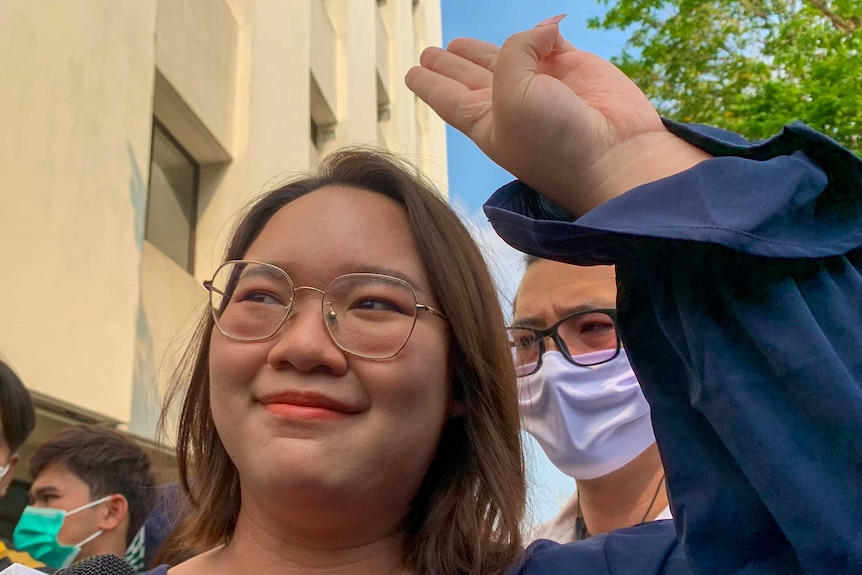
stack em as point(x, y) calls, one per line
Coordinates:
point(648, 549)
point(740, 307)
point(165, 515)
point(652, 547)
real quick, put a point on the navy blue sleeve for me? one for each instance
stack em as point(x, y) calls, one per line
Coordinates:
point(160, 570)
point(740, 305)
point(647, 549)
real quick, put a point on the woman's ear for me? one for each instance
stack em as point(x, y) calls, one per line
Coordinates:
point(117, 510)
point(7, 478)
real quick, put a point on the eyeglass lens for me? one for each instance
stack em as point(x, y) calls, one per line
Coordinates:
point(589, 339)
point(369, 315)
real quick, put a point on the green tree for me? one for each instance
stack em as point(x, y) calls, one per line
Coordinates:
point(750, 66)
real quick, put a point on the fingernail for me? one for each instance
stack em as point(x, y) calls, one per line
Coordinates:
point(552, 20)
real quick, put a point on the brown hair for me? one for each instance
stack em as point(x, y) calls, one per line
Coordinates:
point(466, 517)
point(108, 462)
point(16, 409)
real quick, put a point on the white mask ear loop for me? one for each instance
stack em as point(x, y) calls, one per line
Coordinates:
point(90, 538)
point(88, 505)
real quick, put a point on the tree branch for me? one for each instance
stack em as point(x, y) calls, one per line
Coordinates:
point(848, 26)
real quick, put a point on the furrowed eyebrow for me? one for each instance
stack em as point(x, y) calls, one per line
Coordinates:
point(538, 323)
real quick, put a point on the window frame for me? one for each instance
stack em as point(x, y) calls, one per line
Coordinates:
point(196, 168)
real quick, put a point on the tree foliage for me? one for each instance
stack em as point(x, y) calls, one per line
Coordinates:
point(750, 66)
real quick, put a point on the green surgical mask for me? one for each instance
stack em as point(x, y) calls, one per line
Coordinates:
point(36, 533)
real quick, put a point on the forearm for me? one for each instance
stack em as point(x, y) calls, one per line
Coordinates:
point(793, 196)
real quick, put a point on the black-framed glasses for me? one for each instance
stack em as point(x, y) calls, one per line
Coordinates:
point(368, 315)
point(590, 336)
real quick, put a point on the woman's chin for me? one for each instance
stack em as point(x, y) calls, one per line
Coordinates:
point(303, 482)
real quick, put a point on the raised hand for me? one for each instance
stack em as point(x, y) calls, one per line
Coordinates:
point(566, 122)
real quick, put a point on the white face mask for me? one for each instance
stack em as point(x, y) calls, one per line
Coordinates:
point(4, 470)
point(590, 421)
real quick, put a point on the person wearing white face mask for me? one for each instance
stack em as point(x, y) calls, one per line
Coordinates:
point(17, 421)
point(581, 401)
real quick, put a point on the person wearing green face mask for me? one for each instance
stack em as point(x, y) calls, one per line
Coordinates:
point(92, 488)
point(38, 529)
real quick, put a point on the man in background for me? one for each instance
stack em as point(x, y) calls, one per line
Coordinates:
point(92, 489)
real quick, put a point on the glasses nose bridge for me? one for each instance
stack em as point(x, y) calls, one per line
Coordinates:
point(293, 305)
point(292, 310)
point(548, 341)
point(318, 290)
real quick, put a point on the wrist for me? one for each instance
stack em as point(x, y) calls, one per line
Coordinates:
point(635, 162)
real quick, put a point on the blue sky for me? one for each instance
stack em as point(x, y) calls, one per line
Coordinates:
point(472, 177)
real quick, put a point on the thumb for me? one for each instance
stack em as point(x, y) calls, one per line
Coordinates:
point(521, 53)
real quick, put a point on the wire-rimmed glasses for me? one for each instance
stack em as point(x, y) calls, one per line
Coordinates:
point(368, 315)
point(584, 338)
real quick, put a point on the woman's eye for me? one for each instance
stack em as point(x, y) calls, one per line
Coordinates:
point(260, 297)
point(525, 342)
point(375, 304)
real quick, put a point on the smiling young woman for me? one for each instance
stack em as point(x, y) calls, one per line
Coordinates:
point(349, 398)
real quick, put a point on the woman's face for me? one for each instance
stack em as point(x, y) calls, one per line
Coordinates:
point(374, 447)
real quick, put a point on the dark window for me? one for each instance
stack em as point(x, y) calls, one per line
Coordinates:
point(172, 199)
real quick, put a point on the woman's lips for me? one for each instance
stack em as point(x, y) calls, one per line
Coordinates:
point(306, 405)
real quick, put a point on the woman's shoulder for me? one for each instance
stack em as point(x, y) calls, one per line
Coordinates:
point(647, 549)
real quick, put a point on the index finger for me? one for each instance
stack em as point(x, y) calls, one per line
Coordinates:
point(441, 93)
point(453, 66)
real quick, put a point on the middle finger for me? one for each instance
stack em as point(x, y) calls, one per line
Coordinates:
point(477, 51)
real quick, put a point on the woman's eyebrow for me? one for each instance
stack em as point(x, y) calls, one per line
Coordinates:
point(359, 268)
point(383, 270)
point(260, 271)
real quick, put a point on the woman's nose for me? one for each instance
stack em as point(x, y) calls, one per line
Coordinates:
point(304, 342)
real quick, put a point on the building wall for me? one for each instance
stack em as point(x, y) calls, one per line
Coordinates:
point(93, 316)
point(76, 115)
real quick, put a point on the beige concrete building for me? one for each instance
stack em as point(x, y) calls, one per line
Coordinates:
point(133, 131)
